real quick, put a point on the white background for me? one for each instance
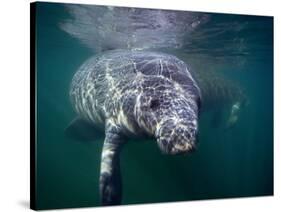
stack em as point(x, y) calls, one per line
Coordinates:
point(14, 104)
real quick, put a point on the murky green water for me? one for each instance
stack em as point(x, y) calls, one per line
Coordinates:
point(228, 163)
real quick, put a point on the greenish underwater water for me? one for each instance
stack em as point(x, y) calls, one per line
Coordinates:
point(233, 163)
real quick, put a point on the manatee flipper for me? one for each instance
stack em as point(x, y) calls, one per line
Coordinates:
point(234, 115)
point(110, 175)
point(80, 129)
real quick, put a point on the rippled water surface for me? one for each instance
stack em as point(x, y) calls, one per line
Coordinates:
point(229, 55)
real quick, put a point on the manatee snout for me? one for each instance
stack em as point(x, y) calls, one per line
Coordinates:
point(177, 138)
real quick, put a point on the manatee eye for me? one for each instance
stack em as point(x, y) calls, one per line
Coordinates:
point(154, 104)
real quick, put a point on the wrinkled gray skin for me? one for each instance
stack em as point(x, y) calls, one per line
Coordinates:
point(136, 94)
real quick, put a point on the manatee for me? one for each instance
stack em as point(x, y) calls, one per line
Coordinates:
point(136, 94)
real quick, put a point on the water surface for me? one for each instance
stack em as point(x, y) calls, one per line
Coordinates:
point(228, 163)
